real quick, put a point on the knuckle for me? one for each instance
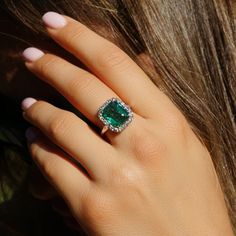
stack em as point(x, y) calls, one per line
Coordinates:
point(60, 124)
point(175, 124)
point(113, 57)
point(97, 209)
point(124, 175)
point(45, 66)
point(147, 146)
point(81, 84)
point(127, 179)
point(74, 33)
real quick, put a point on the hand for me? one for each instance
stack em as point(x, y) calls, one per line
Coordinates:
point(153, 178)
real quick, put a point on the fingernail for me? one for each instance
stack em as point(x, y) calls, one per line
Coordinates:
point(27, 102)
point(31, 134)
point(54, 20)
point(32, 54)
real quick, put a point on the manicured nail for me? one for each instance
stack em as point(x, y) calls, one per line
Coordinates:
point(31, 134)
point(27, 102)
point(32, 54)
point(54, 20)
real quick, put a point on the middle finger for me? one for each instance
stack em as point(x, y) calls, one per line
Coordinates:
point(106, 60)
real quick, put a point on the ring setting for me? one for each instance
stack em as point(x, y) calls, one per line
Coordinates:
point(115, 115)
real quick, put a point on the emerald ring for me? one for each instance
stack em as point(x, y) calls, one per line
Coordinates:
point(115, 115)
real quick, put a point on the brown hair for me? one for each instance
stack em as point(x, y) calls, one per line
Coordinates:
point(192, 46)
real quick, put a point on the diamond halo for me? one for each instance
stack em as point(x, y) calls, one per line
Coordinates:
point(120, 115)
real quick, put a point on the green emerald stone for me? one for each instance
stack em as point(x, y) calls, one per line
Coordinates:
point(115, 114)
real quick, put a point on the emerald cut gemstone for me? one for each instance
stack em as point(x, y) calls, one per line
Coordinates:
point(115, 114)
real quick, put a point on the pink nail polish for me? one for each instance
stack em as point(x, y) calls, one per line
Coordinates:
point(32, 54)
point(27, 102)
point(54, 20)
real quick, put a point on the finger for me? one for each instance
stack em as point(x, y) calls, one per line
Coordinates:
point(68, 179)
point(113, 66)
point(73, 135)
point(81, 88)
point(86, 92)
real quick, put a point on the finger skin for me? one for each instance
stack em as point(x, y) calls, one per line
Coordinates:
point(111, 64)
point(74, 136)
point(86, 92)
point(63, 175)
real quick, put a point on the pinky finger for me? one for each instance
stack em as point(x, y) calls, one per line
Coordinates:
point(71, 182)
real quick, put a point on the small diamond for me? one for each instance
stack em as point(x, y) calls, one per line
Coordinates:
point(115, 114)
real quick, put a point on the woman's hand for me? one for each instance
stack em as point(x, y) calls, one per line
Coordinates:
point(153, 178)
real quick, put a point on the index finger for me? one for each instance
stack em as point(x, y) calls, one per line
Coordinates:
point(107, 61)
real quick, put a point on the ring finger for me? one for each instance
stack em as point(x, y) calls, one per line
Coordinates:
point(81, 88)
